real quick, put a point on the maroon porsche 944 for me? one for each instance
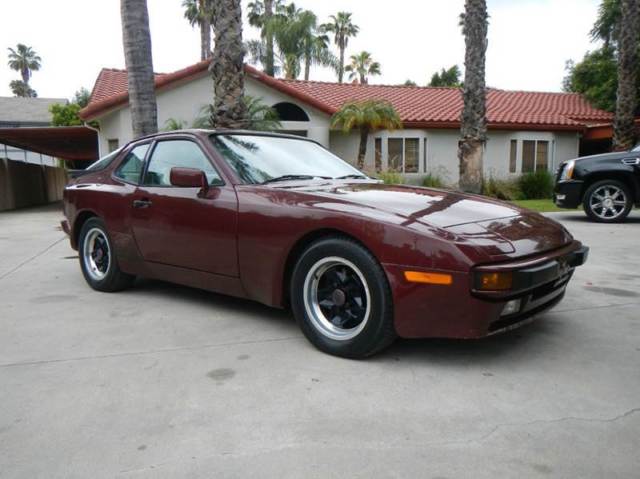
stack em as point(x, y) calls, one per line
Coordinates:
point(281, 220)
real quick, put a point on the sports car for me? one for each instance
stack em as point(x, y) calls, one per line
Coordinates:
point(281, 220)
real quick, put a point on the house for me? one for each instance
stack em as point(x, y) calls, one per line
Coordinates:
point(527, 130)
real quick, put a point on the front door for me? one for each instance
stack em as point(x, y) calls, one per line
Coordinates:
point(180, 226)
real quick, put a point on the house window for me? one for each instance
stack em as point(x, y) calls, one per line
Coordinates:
point(411, 155)
point(113, 144)
point(403, 154)
point(395, 154)
point(513, 155)
point(424, 155)
point(378, 154)
point(535, 155)
point(542, 155)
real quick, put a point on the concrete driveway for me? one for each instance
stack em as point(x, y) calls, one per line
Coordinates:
point(166, 381)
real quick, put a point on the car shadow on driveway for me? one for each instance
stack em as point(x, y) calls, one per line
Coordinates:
point(518, 344)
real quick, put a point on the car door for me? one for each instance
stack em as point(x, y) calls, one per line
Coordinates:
point(181, 226)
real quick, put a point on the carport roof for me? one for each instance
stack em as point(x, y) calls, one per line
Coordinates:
point(66, 142)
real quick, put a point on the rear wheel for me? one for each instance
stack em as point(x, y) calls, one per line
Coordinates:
point(341, 299)
point(97, 259)
point(607, 201)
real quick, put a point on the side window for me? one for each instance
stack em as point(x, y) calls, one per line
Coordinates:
point(131, 167)
point(181, 153)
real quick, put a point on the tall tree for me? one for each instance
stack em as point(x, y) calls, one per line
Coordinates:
point(606, 25)
point(365, 117)
point(136, 39)
point(227, 66)
point(628, 31)
point(342, 28)
point(473, 122)
point(22, 89)
point(447, 77)
point(24, 60)
point(260, 15)
point(200, 12)
point(362, 67)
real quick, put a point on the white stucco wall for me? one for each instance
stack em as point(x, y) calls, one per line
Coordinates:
point(184, 103)
point(438, 155)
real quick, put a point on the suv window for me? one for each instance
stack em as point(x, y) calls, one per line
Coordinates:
point(177, 153)
point(131, 167)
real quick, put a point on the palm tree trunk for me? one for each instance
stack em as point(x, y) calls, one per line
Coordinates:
point(205, 29)
point(227, 66)
point(623, 122)
point(25, 73)
point(269, 66)
point(362, 149)
point(473, 123)
point(136, 40)
point(307, 66)
point(341, 66)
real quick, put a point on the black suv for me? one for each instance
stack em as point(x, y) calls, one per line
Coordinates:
point(607, 185)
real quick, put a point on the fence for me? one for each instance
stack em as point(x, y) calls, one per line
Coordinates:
point(27, 184)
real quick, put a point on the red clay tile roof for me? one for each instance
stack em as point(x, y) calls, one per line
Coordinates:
point(417, 106)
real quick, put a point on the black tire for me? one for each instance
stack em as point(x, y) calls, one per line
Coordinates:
point(375, 331)
point(101, 275)
point(618, 213)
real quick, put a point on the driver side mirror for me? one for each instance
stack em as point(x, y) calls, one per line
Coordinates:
point(189, 178)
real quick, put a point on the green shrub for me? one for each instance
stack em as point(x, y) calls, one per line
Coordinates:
point(432, 180)
point(538, 185)
point(508, 190)
point(390, 177)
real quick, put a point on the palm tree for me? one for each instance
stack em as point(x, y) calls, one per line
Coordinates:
point(342, 28)
point(22, 89)
point(473, 123)
point(260, 116)
point(136, 39)
point(259, 15)
point(315, 47)
point(626, 102)
point(366, 116)
point(24, 60)
point(606, 25)
point(361, 66)
point(227, 65)
point(200, 12)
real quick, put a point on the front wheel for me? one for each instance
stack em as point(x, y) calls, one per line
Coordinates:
point(607, 201)
point(98, 260)
point(341, 299)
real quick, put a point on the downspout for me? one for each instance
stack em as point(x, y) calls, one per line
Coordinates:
point(97, 130)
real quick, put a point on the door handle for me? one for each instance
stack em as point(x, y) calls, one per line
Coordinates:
point(141, 203)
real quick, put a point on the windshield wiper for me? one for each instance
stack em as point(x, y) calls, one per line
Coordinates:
point(293, 178)
point(354, 176)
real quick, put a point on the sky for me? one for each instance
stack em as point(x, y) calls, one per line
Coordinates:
point(529, 40)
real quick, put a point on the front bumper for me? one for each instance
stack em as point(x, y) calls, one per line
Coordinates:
point(568, 194)
point(461, 311)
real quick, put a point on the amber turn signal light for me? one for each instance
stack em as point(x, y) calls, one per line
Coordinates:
point(494, 281)
point(428, 278)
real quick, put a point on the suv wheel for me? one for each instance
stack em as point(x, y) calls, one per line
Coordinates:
point(607, 201)
point(341, 299)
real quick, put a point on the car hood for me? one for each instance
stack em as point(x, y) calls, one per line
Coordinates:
point(501, 228)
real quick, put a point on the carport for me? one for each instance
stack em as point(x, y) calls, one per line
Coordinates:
point(25, 183)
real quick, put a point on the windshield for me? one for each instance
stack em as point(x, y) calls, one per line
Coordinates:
point(257, 159)
point(636, 148)
point(104, 161)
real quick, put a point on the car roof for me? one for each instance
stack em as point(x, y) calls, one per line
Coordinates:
point(208, 132)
